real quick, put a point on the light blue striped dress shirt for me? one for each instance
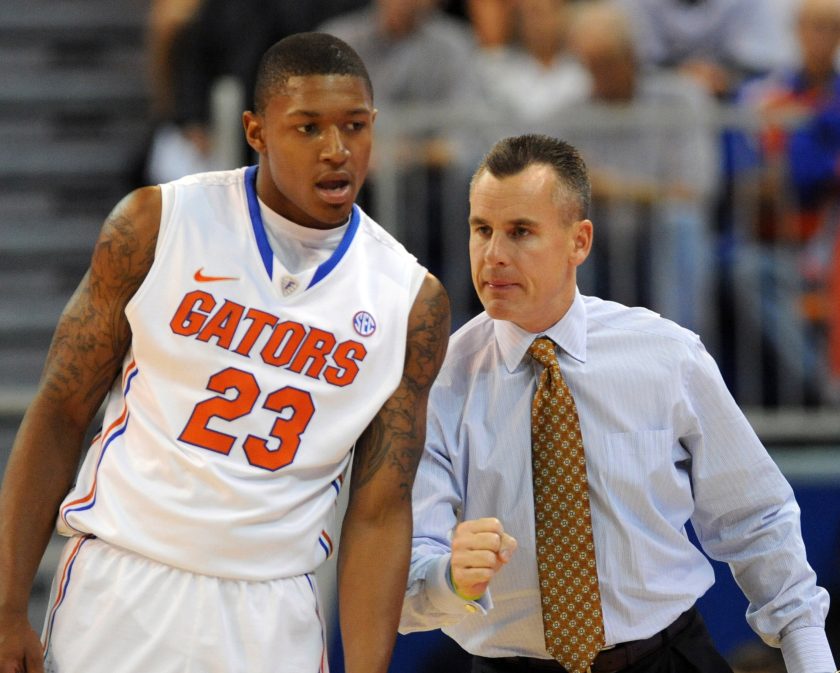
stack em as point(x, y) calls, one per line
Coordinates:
point(665, 443)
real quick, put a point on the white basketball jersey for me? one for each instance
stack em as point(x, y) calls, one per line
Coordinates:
point(227, 437)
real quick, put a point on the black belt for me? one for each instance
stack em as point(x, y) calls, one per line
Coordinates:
point(610, 660)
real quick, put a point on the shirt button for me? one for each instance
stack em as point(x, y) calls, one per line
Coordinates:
point(469, 607)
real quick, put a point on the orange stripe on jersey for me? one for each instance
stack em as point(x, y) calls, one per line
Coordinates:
point(90, 494)
point(104, 438)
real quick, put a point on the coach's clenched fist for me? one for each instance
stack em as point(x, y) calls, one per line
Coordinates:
point(480, 547)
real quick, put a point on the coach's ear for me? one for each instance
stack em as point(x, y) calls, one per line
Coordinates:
point(253, 125)
point(581, 241)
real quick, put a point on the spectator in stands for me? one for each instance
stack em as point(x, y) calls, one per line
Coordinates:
point(784, 16)
point(417, 54)
point(809, 97)
point(169, 151)
point(166, 22)
point(533, 77)
point(492, 22)
point(799, 151)
point(718, 42)
point(652, 154)
point(418, 57)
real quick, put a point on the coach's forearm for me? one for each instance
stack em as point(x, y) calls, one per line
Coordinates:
point(372, 573)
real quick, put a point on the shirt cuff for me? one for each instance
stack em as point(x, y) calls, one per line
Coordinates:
point(444, 598)
point(806, 650)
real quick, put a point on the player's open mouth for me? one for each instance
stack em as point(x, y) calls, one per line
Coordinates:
point(334, 191)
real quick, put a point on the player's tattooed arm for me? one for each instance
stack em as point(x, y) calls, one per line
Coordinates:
point(376, 537)
point(93, 335)
point(85, 355)
point(394, 439)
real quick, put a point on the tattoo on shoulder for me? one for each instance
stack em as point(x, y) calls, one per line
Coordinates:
point(428, 336)
point(395, 437)
point(93, 334)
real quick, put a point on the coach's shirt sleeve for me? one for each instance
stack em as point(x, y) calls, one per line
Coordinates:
point(746, 515)
point(430, 601)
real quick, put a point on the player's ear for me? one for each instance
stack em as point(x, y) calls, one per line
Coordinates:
point(253, 125)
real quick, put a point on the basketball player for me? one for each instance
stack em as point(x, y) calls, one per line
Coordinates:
point(253, 329)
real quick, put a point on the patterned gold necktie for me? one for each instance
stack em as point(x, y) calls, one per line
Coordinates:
point(571, 601)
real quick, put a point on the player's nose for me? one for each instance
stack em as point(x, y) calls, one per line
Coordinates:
point(334, 150)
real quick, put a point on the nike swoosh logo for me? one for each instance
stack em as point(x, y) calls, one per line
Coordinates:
point(201, 278)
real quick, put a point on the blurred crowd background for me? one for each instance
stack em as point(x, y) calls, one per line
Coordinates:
point(711, 129)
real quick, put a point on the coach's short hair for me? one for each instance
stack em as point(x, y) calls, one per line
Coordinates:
point(305, 54)
point(510, 156)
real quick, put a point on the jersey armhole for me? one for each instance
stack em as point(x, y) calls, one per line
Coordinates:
point(165, 227)
point(418, 275)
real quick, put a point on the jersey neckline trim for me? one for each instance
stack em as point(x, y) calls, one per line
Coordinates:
point(264, 247)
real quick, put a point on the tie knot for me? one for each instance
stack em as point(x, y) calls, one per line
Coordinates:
point(542, 350)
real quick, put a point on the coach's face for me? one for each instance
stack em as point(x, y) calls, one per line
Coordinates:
point(525, 246)
point(314, 140)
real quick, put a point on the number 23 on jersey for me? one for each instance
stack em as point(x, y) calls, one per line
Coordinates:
point(294, 408)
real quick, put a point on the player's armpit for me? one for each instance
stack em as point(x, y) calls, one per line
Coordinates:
point(393, 441)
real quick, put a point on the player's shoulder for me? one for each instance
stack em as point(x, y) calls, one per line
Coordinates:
point(376, 235)
point(137, 214)
point(201, 195)
point(225, 178)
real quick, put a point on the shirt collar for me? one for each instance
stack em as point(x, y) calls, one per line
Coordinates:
point(569, 333)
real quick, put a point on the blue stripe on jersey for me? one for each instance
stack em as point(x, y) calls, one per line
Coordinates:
point(262, 238)
point(61, 593)
point(322, 667)
point(322, 271)
point(92, 502)
point(110, 435)
point(256, 219)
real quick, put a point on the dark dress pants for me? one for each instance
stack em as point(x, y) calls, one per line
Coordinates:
point(690, 651)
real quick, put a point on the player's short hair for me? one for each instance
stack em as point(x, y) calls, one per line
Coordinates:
point(305, 54)
point(512, 155)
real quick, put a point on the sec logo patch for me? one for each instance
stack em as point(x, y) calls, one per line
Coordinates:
point(364, 324)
